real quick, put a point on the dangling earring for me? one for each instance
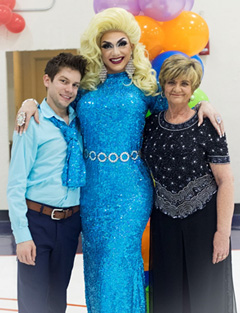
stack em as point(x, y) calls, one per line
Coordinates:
point(192, 97)
point(130, 68)
point(162, 94)
point(103, 74)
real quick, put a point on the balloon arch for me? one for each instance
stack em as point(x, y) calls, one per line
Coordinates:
point(167, 27)
point(165, 24)
point(14, 22)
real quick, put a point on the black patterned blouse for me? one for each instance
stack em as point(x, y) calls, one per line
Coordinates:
point(178, 156)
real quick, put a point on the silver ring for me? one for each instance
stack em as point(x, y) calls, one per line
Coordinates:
point(92, 155)
point(21, 118)
point(218, 119)
point(134, 155)
point(104, 157)
point(114, 159)
point(126, 154)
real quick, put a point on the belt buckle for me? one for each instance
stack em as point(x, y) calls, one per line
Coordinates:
point(53, 212)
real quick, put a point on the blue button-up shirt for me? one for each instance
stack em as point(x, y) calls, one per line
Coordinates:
point(37, 161)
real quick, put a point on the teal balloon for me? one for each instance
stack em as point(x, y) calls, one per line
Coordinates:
point(199, 95)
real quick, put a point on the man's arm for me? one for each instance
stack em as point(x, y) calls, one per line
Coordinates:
point(23, 156)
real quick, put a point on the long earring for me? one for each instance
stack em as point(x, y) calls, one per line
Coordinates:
point(103, 74)
point(130, 68)
point(162, 94)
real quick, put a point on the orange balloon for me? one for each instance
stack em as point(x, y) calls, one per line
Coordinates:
point(146, 246)
point(152, 35)
point(188, 33)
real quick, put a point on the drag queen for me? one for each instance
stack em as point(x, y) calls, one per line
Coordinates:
point(116, 202)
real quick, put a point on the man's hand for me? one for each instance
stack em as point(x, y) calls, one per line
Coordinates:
point(26, 252)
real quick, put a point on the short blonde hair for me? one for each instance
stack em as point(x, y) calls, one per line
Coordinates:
point(116, 19)
point(177, 66)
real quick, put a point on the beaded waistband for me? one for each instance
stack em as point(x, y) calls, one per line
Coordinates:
point(112, 157)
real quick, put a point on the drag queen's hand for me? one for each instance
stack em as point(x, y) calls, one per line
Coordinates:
point(207, 110)
point(27, 110)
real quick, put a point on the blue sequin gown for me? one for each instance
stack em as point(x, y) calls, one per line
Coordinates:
point(117, 199)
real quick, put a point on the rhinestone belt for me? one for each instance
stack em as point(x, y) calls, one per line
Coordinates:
point(112, 157)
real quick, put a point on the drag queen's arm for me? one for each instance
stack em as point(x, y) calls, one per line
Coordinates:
point(29, 109)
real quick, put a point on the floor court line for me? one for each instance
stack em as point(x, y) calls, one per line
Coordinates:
point(76, 292)
point(15, 300)
point(76, 300)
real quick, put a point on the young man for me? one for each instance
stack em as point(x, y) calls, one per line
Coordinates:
point(45, 175)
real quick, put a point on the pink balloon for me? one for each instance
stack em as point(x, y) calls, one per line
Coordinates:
point(189, 4)
point(8, 3)
point(17, 24)
point(5, 14)
point(162, 10)
point(131, 6)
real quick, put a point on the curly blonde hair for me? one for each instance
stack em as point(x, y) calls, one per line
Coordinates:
point(116, 19)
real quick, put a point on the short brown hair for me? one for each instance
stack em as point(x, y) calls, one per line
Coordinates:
point(177, 66)
point(75, 62)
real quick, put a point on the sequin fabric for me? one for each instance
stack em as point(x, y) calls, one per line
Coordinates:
point(74, 171)
point(178, 156)
point(117, 199)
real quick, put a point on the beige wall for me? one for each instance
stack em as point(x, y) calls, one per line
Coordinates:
point(221, 80)
point(4, 146)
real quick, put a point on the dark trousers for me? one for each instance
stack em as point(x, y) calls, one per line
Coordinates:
point(42, 288)
point(182, 276)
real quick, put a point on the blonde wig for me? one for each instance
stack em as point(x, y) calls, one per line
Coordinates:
point(179, 66)
point(116, 19)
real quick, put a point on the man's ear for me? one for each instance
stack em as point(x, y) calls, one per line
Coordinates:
point(46, 80)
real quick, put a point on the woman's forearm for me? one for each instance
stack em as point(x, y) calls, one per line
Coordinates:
point(225, 206)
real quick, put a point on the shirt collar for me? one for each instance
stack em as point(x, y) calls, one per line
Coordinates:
point(48, 112)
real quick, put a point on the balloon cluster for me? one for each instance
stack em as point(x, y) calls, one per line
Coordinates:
point(167, 27)
point(14, 22)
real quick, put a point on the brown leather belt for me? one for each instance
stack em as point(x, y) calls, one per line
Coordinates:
point(55, 213)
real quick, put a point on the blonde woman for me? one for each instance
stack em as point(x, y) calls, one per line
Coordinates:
point(116, 202)
point(191, 220)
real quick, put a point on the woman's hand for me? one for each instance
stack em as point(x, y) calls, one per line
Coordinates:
point(207, 110)
point(24, 114)
point(221, 243)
